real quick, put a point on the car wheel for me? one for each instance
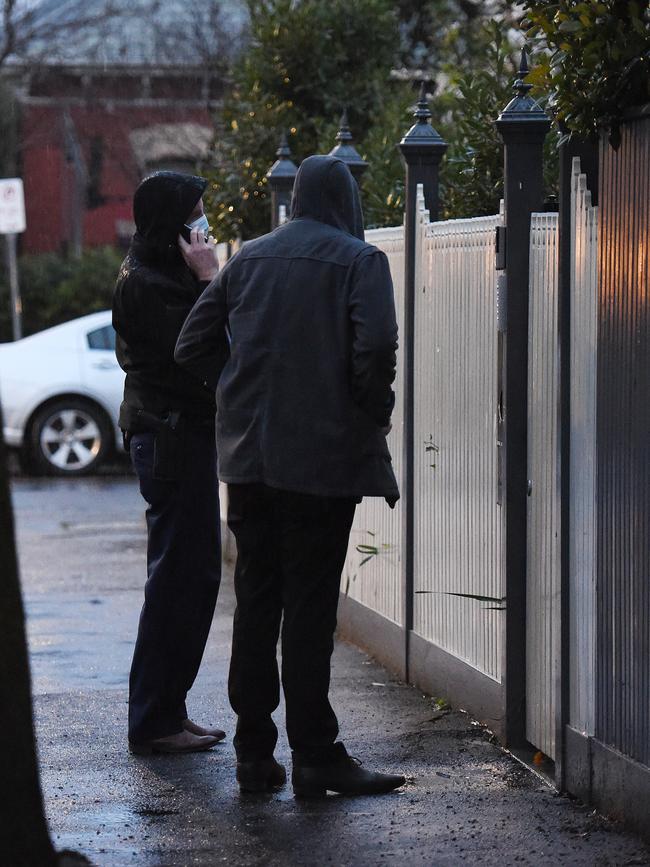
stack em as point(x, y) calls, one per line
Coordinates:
point(69, 438)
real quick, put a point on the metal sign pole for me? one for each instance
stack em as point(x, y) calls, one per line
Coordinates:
point(12, 221)
point(16, 303)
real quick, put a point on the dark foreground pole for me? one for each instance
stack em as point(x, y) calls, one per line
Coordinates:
point(23, 832)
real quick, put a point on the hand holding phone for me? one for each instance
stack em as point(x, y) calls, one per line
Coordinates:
point(199, 253)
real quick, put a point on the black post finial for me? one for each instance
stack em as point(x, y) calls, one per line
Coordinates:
point(523, 64)
point(283, 150)
point(520, 86)
point(423, 148)
point(283, 166)
point(346, 151)
point(522, 107)
point(422, 113)
point(422, 131)
point(344, 134)
point(280, 179)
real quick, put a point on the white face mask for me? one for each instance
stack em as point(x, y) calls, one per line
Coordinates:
point(202, 224)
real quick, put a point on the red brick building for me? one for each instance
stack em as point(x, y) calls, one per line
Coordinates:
point(88, 135)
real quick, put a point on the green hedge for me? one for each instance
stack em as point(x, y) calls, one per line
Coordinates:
point(597, 64)
point(55, 288)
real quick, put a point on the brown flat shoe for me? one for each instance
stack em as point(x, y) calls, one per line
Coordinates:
point(183, 742)
point(196, 729)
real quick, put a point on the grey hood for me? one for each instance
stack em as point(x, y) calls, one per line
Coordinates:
point(325, 190)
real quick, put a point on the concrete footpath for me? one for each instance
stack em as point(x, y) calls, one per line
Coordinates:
point(82, 554)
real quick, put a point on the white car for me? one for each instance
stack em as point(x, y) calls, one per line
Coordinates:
point(61, 391)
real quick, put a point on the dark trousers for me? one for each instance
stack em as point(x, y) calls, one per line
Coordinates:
point(184, 572)
point(290, 553)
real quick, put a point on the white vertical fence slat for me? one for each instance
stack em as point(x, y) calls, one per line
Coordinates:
point(458, 525)
point(376, 583)
point(582, 496)
point(543, 542)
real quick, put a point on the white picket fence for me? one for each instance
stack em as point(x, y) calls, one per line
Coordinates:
point(458, 524)
point(458, 520)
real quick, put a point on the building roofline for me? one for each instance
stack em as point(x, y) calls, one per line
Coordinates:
point(158, 69)
point(84, 102)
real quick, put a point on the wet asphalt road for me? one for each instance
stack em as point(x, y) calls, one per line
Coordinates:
point(82, 554)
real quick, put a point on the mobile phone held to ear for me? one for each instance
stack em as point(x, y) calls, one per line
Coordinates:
point(201, 224)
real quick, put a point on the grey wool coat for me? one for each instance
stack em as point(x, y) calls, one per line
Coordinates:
point(309, 308)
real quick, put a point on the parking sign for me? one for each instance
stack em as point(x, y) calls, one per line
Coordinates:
point(12, 206)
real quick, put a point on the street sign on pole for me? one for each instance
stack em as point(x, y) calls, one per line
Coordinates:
point(12, 206)
point(12, 222)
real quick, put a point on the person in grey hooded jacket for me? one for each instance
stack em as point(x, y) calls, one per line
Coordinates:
point(303, 408)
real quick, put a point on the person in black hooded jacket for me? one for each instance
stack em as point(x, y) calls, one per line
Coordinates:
point(168, 422)
point(303, 408)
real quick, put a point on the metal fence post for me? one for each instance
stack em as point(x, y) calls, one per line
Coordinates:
point(346, 151)
point(523, 125)
point(281, 176)
point(422, 148)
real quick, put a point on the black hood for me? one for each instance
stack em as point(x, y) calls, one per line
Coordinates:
point(324, 190)
point(161, 205)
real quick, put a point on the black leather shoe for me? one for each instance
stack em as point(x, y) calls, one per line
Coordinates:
point(262, 775)
point(336, 771)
